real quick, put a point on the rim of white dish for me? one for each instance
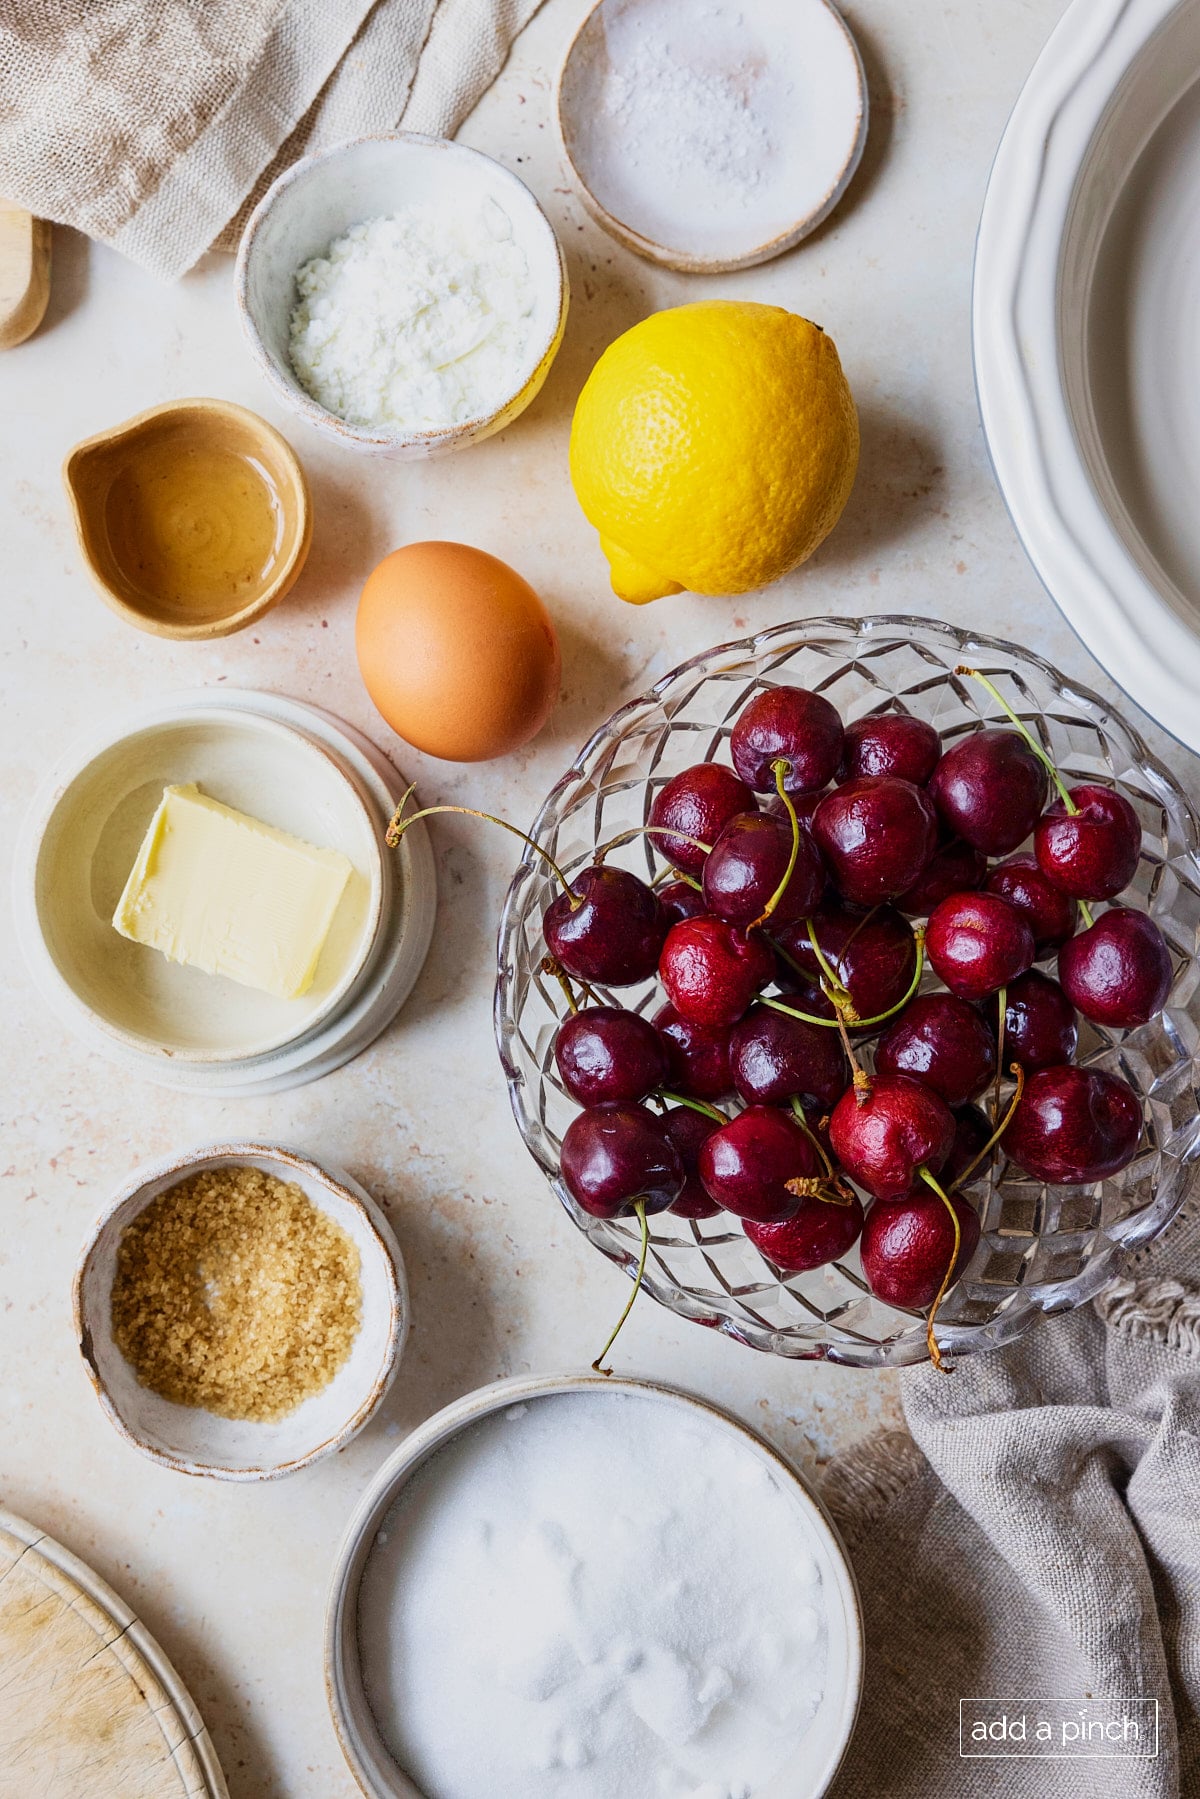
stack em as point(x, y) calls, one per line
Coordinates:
point(343, 1681)
point(685, 261)
point(178, 710)
point(1120, 615)
point(347, 1192)
point(535, 362)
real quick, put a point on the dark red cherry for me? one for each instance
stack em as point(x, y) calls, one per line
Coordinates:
point(699, 802)
point(679, 899)
point(614, 1155)
point(892, 743)
point(883, 1137)
point(953, 868)
point(749, 860)
point(1118, 972)
point(907, 1247)
point(712, 971)
point(990, 789)
point(775, 1058)
point(1040, 1026)
point(972, 1129)
point(747, 1164)
point(977, 942)
point(607, 1054)
point(815, 1234)
point(697, 1055)
point(876, 834)
point(1091, 853)
point(1074, 1125)
point(1052, 915)
point(942, 1041)
point(792, 725)
point(609, 928)
point(873, 954)
point(689, 1130)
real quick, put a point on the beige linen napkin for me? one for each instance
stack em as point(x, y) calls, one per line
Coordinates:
point(155, 124)
point(1038, 1538)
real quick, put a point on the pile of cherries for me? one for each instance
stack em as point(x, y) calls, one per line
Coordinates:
point(783, 941)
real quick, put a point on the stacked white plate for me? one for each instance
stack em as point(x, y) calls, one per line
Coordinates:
point(279, 760)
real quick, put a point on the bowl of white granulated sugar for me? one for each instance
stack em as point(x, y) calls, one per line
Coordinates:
point(403, 294)
point(568, 1587)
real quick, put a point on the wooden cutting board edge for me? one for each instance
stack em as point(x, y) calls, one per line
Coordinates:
point(134, 1640)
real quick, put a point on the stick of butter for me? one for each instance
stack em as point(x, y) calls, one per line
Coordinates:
point(219, 891)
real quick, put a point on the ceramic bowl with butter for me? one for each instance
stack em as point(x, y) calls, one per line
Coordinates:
point(206, 787)
point(321, 198)
point(193, 518)
point(191, 1439)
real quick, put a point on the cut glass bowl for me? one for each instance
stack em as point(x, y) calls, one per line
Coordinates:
point(1042, 1249)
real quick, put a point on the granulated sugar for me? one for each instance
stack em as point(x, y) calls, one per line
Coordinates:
point(711, 126)
point(593, 1596)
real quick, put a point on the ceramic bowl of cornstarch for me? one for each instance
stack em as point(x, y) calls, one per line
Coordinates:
point(714, 136)
point(571, 1587)
point(403, 294)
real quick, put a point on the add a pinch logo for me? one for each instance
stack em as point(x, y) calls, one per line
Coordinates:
point(1085, 1729)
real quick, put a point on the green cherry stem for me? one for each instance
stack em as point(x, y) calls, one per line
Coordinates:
point(1002, 1002)
point(693, 1105)
point(864, 1024)
point(1023, 728)
point(624, 837)
point(551, 967)
point(398, 824)
point(639, 1206)
point(834, 979)
point(1018, 1073)
point(935, 1354)
point(831, 1191)
point(781, 769)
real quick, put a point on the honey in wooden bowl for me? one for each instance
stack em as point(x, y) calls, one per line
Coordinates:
point(193, 518)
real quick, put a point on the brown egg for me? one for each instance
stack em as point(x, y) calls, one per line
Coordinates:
point(457, 651)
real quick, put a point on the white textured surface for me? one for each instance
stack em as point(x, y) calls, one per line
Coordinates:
point(233, 1580)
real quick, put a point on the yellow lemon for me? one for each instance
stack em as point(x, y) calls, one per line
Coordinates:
point(713, 448)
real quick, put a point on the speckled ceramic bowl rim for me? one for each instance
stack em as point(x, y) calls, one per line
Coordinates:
point(342, 1675)
point(297, 504)
point(686, 262)
point(290, 1162)
point(533, 368)
point(83, 753)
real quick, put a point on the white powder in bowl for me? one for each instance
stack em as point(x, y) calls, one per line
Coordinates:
point(592, 1596)
point(419, 320)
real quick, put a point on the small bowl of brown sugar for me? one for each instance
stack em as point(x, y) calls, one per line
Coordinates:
point(241, 1311)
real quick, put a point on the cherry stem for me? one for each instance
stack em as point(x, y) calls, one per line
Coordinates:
point(781, 769)
point(1026, 733)
point(864, 1024)
point(624, 837)
point(398, 824)
point(1088, 920)
point(1018, 1073)
point(694, 1105)
point(1002, 1002)
point(675, 874)
point(935, 1354)
point(834, 979)
point(550, 966)
point(831, 1191)
point(639, 1206)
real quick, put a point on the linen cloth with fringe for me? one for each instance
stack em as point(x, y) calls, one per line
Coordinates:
point(155, 125)
point(1037, 1538)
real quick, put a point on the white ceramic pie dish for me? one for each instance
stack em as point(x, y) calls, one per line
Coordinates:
point(1087, 352)
point(379, 1775)
point(190, 1440)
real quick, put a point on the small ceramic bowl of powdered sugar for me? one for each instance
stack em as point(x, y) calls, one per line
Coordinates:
point(570, 1587)
point(403, 294)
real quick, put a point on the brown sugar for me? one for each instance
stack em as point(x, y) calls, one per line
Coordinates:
point(235, 1293)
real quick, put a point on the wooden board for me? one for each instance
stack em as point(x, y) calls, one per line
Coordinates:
point(90, 1707)
point(24, 274)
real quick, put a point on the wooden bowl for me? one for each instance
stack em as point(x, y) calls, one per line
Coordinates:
point(122, 546)
point(191, 1440)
